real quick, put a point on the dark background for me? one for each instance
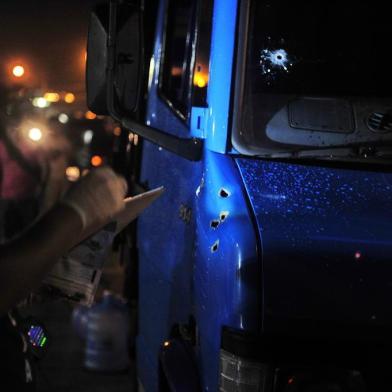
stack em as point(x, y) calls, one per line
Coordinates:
point(49, 37)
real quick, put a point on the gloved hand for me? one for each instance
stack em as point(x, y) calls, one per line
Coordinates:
point(97, 197)
point(56, 183)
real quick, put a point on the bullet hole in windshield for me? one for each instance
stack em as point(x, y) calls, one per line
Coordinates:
point(274, 60)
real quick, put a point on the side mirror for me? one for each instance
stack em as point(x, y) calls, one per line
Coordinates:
point(114, 61)
point(97, 57)
point(115, 74)
point(128, 61)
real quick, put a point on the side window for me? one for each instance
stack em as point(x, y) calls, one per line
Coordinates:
point(202, 58)
point(177, 55)
point(186, 51)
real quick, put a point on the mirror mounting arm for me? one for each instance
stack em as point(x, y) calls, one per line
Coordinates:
point(188, 148)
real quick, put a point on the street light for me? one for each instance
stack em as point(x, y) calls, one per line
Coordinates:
point(35, 134)
point(40, 102)
point(18, 71)
point(69, 98)
point(89, 115)
point(63, 118)
point(96, 161)
point(52, 97)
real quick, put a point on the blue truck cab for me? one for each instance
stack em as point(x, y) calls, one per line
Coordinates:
point(266, 264)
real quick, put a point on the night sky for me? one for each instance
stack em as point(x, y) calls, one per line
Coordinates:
point(49, 37)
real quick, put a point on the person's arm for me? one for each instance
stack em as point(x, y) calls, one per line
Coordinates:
point(88, 204)
point(25, 261)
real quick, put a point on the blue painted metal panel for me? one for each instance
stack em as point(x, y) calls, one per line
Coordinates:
point(225, 282)
point(181, 273)
point(221, 64)
point(327, 244)
point(199, 122)
point(165, 241)
point(226, 276)
point(166, 255)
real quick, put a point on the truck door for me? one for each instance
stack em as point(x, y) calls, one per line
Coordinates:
point(166, 232)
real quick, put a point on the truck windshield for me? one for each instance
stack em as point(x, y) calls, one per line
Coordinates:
point(316, 75)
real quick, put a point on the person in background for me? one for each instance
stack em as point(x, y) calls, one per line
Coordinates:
point(40, 220)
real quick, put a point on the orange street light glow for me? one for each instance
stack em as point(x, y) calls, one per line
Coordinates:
point(96, 161)
point(78, 114)
point(69, 98)
point(176, 71)
point(72, 173)
point(18, 71)
point(90, 115)
point(52, 97)
point(117, 131)
point(200, 80)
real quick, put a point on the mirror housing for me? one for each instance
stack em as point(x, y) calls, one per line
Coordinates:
point(115, 74)
point(97, 56)
point(125, 62)
point(128, 61)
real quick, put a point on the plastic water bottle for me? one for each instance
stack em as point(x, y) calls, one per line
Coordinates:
point(107, 335)
point(79, 320)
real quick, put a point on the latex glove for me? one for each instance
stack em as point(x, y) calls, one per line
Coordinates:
point(97, 197)
point(56, 182)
